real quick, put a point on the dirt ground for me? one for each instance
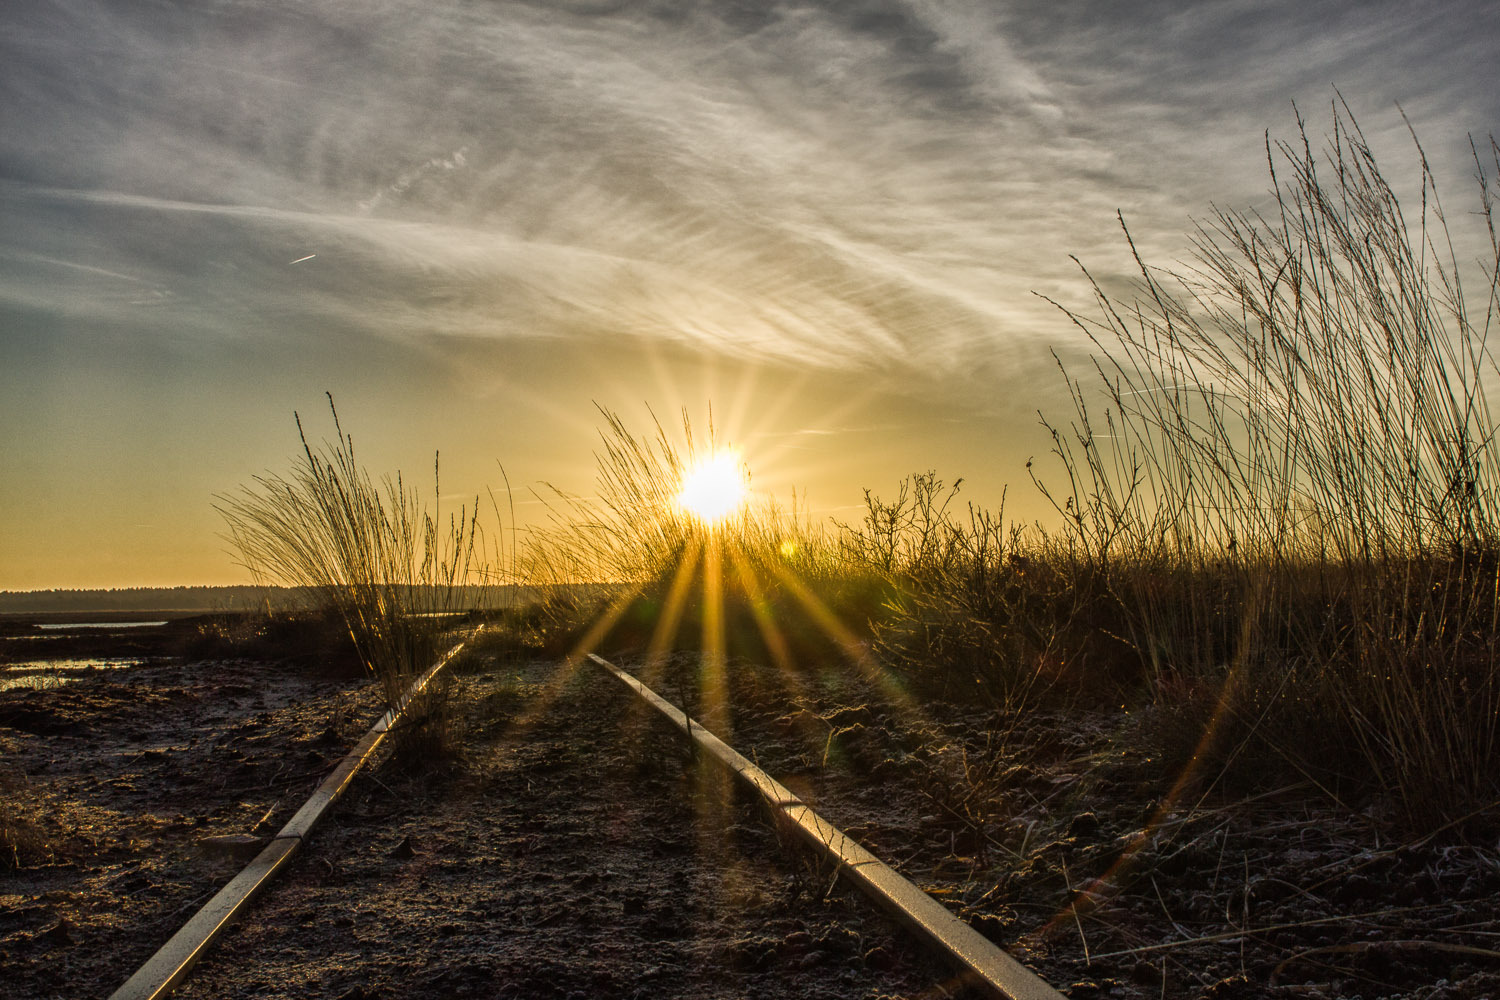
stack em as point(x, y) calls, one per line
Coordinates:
point(572, 846)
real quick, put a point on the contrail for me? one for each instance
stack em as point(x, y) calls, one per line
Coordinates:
point(301, 259)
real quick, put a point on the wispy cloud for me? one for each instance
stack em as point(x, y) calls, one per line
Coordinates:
point(844, 185)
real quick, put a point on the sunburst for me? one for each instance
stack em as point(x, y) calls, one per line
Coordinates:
point(716, 488)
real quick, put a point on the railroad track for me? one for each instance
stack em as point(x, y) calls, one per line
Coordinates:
point(986, 964)
point(982, 964)
point(175, 959)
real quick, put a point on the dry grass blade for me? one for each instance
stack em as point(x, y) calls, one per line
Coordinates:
point(1267, 929)
point(1365, 947)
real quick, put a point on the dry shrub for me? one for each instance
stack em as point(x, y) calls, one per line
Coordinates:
point(973, 608)
point(310, 639)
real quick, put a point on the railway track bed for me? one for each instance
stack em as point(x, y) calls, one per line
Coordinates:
point(575, 847)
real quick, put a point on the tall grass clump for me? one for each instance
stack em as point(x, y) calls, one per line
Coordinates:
point(1286, 474)
point(368, 549)
point(631, 530)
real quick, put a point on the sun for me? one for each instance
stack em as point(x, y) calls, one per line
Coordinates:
point(715, 488)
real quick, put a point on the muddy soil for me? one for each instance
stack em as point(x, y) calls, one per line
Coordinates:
point(572, 846)
point(115, 788)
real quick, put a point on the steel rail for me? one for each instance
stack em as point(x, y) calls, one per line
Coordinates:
point(163, 971)
point(984, 961)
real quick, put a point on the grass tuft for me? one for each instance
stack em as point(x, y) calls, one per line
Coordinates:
point(370, 551)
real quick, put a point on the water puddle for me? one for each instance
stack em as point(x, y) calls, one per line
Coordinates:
point(69, 626)
point(44, 674)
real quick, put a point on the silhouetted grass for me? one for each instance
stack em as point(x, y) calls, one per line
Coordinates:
point(1288, 484)
point(371, 551)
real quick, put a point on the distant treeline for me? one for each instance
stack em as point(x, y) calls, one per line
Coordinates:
point(149, 599)
point(240, 598)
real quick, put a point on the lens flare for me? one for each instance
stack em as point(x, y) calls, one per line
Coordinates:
point(715, 488)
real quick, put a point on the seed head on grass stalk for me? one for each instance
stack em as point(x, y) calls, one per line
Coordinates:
point(371, 551)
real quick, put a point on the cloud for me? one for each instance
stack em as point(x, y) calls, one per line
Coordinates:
point(848, 185)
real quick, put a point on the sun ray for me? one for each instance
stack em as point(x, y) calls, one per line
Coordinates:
point(664, 633)
point(1109, 884)
point(776, 645)
point(857, 651)
point(570, 663)
point(601, 626)
point(755, 595)
point(715, 694)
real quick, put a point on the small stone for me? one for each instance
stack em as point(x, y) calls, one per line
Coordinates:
point(403, 851)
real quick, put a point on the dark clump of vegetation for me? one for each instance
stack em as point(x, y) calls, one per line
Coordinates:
point(312, 639)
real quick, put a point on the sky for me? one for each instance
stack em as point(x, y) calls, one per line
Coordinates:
point(475, 223)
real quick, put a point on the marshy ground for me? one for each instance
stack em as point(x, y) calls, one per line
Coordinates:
point(569, 845)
